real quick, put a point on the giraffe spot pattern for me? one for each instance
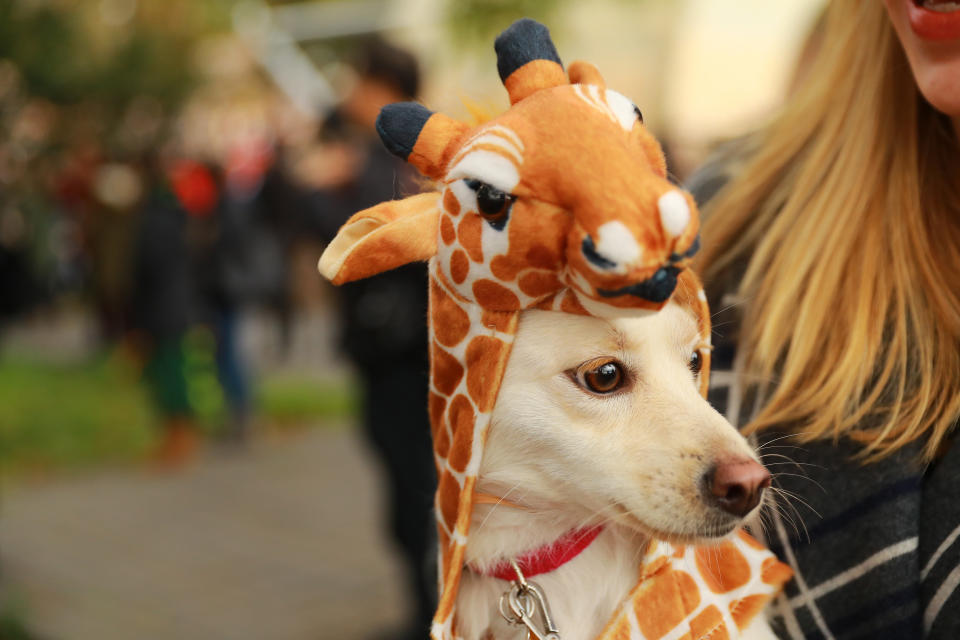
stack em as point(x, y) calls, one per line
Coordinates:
point(622, 630)
point(450, 203)
point(502, 268)
point(450, 323)
point(774, 572)
point(447, 371)
point(542, 252)
point(447, 231)
point(498, 321)
point(470, 235)
point(436, 405)
point(666, 603)
point(492, 295)
point(441, 440)
point(459, 266)
point(709, 624)
point(448, 493)
point(540, 257)
point(745, 609)
point(461, 422)
point(485, 359)
point(537, 284)
point(570, 304)
point(751, 542)
point(665, 585)
point(735, 569)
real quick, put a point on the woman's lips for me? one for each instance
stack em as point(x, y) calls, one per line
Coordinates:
point(936, 20)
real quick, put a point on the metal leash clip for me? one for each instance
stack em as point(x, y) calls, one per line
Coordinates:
point(520, 603)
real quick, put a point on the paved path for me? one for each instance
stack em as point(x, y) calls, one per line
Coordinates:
point(281, 542)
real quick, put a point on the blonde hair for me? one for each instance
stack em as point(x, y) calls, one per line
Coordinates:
point(847, 213)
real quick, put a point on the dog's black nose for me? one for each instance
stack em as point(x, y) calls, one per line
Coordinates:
point(737, 485)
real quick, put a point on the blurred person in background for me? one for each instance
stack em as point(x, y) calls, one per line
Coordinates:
point(832, 257)
point(384, 319)
point(243, 260)
point(167, 298)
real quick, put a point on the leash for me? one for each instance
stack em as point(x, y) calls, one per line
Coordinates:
point(522, 601)
point(525, 603)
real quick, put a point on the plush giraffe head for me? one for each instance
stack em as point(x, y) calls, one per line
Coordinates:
point(566, 190)
point(560, 203)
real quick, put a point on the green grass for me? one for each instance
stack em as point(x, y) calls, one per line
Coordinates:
point(290, 399)
point(56, 416)
point(71, 415)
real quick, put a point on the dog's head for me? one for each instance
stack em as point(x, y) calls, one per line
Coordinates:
point(605, 417)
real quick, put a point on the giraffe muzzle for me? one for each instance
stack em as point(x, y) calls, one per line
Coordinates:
point(657, 288)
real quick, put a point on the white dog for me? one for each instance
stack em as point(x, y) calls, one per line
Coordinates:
point(600, 422)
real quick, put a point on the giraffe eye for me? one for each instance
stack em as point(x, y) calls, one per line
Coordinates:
point(492, 203)
point(636, 110)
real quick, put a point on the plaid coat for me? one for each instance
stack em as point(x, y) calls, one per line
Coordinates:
point(875, 548)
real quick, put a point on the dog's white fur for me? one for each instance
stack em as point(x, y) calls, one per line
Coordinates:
point(633, 460)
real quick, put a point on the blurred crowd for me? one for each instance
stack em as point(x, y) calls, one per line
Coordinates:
point(170, 219)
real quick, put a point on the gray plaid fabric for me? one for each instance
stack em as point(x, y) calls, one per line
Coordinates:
point(875, 548)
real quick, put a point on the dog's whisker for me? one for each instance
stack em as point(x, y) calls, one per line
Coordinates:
point(495, 506)
point(795, 517)
point(780, 474)
point(738, 303)
point(787, 460)
point(794, 496)
point(784, 436)
point(790, 518)
point(766, 517)
point(780, 511)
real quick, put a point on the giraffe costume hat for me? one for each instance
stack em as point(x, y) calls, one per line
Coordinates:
point(560, 203)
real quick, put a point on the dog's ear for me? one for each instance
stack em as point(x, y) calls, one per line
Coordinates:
point(383, 237)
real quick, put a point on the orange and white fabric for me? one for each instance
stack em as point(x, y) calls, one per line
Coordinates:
point(560, 203)
point(696, 593)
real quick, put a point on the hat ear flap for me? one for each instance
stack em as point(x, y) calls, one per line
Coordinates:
point(421, 137)
point(527, 60)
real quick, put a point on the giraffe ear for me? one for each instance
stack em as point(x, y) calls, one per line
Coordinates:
point(581, 72)
point(383, 237)
point(527, 60)
point(421, 137)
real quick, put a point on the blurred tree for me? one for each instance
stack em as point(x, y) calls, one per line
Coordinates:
point(478, 21)
point(107, 53)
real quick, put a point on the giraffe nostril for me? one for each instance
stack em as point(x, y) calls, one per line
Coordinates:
point(661, 284)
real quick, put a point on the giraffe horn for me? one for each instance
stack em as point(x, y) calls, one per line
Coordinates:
point(419, 136)
point(527, 60)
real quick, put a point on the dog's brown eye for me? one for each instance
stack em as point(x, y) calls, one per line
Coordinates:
point(696, 362)
point(601, 376)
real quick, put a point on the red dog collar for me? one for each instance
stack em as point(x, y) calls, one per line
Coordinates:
point(546, 558)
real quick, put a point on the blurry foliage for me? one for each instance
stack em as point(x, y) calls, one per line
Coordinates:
point(292, 400)
point(67, 51)
point(102, 413)
point(13, 614)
